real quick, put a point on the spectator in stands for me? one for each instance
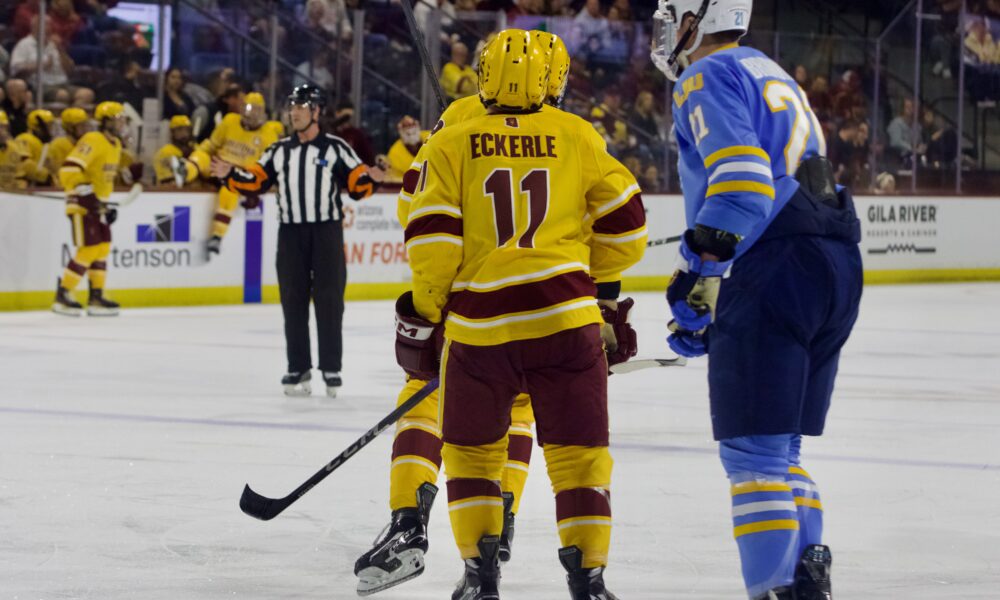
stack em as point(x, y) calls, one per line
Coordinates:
point(17, 105)
point(561, 8)
point(457, 77)
point(56, 64)
point(125, 87)
point(606, 117)
point(904, 131)
point(422, 12)
point(314, 19)
point(624, 8)
point(84, 98)
point(21, 24)
point(590, 26)
point(336, 16)
point(317, 69)
point(175, 99)
point(59, 98)
point(801, 75)
point(980, 43)
point(819, 98)
point(650, 180)
point(230, 100)
point(840, 150)
point(941, 141)
point(847, 95)
point(64, 22)
point(402, 153)
point(344, 127)
point(644, 114)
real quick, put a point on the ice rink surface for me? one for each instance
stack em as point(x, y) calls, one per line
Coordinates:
point(125, 444)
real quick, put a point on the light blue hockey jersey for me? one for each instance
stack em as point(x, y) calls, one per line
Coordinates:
point(743, 127)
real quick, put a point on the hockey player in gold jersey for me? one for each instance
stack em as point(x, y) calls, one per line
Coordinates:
point(87, 176)
point(239, 140)
point(36, 141)
point(13, 159)
point(397, 556)
point(74, 124)
point(169, 163)
point(516, 214)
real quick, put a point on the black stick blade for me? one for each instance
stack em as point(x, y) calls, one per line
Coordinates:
point(260, 507)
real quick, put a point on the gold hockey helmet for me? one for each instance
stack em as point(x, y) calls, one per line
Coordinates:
point(109, 110)
point(39, 116)
point(559, 67)
point(73, 116)
point(514, 71)
point(179, 121)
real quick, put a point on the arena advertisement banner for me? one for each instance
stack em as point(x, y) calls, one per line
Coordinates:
point(158, 255)
point(929, 238)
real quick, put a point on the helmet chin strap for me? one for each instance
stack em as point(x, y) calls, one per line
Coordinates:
point(679, 48)
point(312, 121)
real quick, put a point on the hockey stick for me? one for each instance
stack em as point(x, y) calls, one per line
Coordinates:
point(130, 196)
point(663, 241)
point(265, 509)
point(646, 363)
point(418, 39)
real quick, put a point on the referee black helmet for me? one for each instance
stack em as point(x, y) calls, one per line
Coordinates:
point(308, 94)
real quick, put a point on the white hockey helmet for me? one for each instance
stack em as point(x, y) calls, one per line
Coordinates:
point(710, 16)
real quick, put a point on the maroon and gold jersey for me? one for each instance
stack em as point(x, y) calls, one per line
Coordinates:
point(513, 219)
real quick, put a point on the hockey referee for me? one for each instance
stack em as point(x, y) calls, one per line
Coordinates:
point(308, 170)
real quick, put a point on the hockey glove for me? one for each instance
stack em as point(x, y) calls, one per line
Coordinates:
point(687, 344)
point(418, 341)
point(110, 215)
point(619, 337)
point(694, 289)
point(251, 202)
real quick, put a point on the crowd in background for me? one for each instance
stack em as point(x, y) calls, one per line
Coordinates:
point(90, 56)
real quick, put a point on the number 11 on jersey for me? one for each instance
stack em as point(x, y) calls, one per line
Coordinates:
point(499, 186)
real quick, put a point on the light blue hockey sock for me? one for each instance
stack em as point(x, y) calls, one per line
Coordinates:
point(765, 517)
point(807, 499)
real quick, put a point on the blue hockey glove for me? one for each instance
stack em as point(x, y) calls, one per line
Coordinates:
point(694, 289)
point(687, 344)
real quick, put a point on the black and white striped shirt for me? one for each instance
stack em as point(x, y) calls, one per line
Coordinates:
point(307, 177)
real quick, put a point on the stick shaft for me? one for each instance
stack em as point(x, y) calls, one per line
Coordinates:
point(418, 39)
point(267, 508)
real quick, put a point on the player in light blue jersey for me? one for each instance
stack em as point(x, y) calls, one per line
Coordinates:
point(768, 282)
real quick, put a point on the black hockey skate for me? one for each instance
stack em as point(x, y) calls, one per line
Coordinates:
point(398, 553)
point(507, 535)
point(297, 383)
point(812, 576)
point(64, 303)
point(481, 579)
point(584, 584)
point(99, 306)
point(214, 245)
point(333, 381)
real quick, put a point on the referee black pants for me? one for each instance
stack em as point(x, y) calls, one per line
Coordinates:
point(311, 265)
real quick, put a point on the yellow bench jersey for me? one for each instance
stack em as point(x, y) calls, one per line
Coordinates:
point(59, 149)
point(94, 160)
point(513, 219)
point(235, 145)
point(13, 159)
point(161, 163)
